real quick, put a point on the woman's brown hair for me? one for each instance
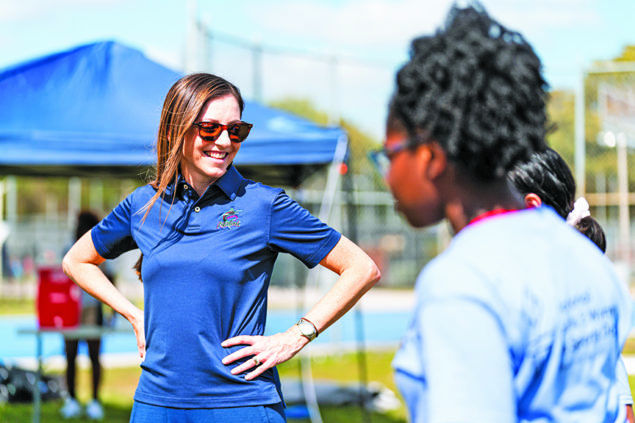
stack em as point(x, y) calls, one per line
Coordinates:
point(183, 102)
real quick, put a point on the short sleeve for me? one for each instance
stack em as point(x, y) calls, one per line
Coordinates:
point(113, 235)
point(294, 230)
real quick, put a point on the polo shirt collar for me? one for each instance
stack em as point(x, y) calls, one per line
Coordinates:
point(169, 190)
point(229, 183)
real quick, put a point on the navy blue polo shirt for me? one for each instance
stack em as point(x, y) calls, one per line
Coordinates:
point(206, 270)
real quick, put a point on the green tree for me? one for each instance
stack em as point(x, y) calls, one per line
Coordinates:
point(360, 142)
point(628, 54)
point(602, 159)
point(560, 112)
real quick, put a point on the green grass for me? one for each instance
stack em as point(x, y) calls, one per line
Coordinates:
point(26, 306)
point(116, 413)
point(118, 386)
point(344, 368)
point(13, 306)
point(23, 413)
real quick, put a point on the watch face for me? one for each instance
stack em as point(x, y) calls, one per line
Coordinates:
point(306, 329)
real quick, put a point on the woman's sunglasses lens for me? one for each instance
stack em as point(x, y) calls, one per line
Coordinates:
point(238, 132)
point(243, 131)
point(210, 131)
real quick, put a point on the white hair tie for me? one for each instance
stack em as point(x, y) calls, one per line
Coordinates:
point(579, 212)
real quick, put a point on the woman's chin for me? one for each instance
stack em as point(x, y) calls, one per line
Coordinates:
point(215, 172)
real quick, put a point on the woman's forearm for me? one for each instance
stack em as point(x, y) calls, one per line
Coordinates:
point(91, 279)
point(81, 264)
point(358, 274)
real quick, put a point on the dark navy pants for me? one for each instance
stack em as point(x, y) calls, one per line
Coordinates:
point(146, 413)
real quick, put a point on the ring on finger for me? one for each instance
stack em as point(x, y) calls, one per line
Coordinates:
point(256, 361)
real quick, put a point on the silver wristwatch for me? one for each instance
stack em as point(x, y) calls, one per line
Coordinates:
point(307, 329)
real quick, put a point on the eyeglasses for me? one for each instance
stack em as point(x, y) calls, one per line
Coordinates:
point(210, 131)
point(382, 157)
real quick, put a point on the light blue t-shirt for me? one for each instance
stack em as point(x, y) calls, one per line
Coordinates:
point(521, 319)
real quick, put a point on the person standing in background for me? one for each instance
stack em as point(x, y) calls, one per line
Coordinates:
point(91, 313)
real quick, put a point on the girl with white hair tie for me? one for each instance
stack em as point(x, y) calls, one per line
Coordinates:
point(546, 179)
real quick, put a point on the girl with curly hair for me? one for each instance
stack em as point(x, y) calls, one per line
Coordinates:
point(521, 318)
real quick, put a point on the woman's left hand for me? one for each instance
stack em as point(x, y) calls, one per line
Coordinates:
point(266, 351)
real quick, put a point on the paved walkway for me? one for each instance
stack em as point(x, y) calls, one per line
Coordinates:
point(377, 299)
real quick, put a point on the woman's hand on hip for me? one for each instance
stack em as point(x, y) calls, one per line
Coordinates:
point(266, 351)
point(137, 321)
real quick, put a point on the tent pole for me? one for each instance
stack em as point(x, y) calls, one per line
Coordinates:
point(96, 195)
point(9, 207)
point(74, 201)
point(2, 226)
point(312, 279)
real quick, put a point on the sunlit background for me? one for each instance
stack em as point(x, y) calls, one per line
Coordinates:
point(332, 62)
point(339, 54)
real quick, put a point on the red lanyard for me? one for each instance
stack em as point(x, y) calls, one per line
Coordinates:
point(489, 214)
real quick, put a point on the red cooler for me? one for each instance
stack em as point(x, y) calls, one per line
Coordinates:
point(58, 299)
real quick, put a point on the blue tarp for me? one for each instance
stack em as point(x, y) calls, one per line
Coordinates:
point(94, 110)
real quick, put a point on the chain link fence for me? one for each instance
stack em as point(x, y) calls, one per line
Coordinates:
point(605, 154)
point(40, 235)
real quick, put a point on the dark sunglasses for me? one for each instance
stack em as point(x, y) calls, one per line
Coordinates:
point(210, 131)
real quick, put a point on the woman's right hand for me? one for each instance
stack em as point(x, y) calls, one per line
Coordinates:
point(136, 320)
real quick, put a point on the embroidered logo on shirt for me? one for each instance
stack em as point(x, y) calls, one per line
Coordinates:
point(229, 219)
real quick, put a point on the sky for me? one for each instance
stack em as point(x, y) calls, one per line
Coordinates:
point(341, 55)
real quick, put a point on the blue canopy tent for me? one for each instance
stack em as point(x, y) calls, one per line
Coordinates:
point(94, 111)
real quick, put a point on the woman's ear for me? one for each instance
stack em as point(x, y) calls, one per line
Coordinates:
point(532, 200)
point(433, 156)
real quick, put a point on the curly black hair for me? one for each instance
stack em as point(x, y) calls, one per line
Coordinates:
point(476, 88)
point(547, 175)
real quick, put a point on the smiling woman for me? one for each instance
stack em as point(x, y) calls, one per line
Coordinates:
point(209, 240)
point(206, 158)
